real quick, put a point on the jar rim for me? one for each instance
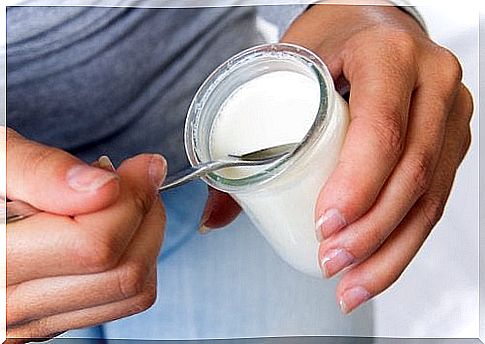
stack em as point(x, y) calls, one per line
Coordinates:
point(279, 50)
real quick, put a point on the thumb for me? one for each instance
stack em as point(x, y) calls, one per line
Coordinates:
point(220, 210)
point(53, 180)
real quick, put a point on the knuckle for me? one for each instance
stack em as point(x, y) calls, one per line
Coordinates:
point(389, 132)
point(452, 71)
point(398, 46)
point(96, 254)
point(146, 299)
point(142, 201)
point(420, 172)
point(14, 313)
point(39, 328)
point(131, 279)
point(467, 106)
point(374, 239)
point(460, 118)
point(431, 210)
point(366, 242)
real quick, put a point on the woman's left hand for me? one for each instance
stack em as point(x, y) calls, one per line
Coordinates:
point(409, 131)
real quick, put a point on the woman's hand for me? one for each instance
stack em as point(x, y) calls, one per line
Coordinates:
point(91, 257)
point(409, 131)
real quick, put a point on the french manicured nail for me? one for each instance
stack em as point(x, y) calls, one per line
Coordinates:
point(330, 222)
point(353, 298)
point(86, 178)
point(318, 233)
point(105, 162)
point(335, 260)
point(157, 170)
point(204, 229)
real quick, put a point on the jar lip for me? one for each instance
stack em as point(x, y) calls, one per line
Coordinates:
point(279, 50)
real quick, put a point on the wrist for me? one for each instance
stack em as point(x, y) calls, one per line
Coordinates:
point(337, 23)
point(404, 5)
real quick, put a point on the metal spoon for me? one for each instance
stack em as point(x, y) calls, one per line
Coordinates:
point(256, 158)
point(17, 210)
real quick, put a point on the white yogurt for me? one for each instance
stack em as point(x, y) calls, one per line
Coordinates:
point(276, 108)
point(265, 96)
point(265, 112)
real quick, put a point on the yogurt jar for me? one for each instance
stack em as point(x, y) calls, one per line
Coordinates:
point(262, 97)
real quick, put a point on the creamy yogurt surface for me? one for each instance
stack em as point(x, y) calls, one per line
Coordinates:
point(272, 109)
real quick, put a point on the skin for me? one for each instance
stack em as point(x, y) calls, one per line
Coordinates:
point(409, 132)
point(59, 262)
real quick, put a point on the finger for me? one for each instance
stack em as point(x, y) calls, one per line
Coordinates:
point(43, 297)
point(409, 180)
point(220, 210)
point(111, 229)
point(381, 88)
point(55, 181)
point(381, 269)
point(56, 324)
point(105, 163)
point(87, 243)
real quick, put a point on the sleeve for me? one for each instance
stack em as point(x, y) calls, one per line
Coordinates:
point(281, 16)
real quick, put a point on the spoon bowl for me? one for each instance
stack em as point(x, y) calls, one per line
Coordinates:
point(260, 157)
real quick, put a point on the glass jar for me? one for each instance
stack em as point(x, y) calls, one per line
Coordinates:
point(279, 198)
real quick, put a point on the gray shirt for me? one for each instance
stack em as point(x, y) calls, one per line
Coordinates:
point(118, 81)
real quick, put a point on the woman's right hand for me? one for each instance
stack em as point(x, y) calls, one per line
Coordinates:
point(90, 257)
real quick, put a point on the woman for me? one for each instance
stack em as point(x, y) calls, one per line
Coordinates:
point(118, 81)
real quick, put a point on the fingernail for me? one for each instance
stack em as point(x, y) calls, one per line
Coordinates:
point(318, 233)
point(204, 229)
point(105, 162)
point(353, 298)
point(330, 222)
point(335, 260)
point(157, 170)
point(85, 178)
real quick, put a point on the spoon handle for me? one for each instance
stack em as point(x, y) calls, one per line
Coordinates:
point(202, 169)
point(191, 173)
point(17, 210)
